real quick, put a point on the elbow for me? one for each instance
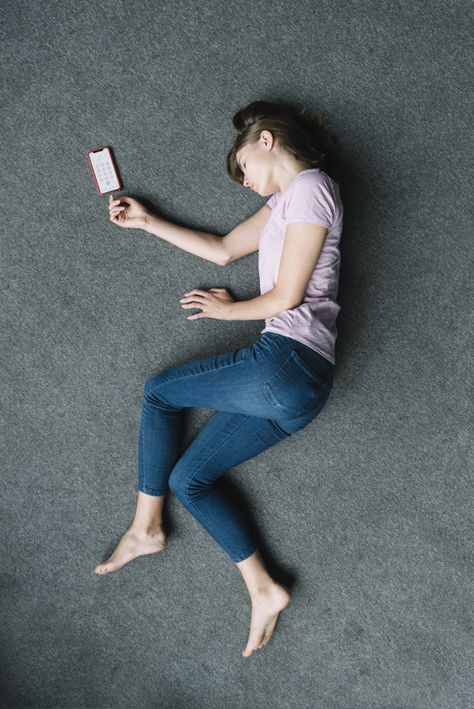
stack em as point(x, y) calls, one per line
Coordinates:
point(290, 306)
point(286, 303)
point(294, 304)
point(225, 255)
point(226, 259)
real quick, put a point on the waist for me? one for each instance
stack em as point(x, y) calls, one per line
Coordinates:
point(313, 359)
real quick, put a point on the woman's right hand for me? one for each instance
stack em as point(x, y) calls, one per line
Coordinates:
point(128, 212)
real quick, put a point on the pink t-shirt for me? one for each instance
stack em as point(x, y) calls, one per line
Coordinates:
point(312, 196)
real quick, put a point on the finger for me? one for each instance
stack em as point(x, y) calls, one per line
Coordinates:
point(193, 305)
point(196, 291)
point(189, 296)
point(195, 295)
point(195, 302)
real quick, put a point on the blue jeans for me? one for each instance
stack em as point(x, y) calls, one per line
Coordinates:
point(261, 394)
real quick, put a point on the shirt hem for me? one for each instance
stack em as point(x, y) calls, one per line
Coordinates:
point(303, 340)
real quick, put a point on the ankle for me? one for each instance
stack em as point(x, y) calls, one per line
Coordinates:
point(149, 529)
point(263, 590)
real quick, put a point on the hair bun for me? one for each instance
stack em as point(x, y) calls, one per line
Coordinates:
point(257, 110)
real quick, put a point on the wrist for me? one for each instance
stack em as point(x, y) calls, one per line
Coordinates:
point(230, 310)
point(147, 221)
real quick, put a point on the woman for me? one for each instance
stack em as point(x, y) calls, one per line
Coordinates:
point(261, 393)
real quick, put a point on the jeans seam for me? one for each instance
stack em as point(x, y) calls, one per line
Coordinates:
point(267, 392)
point(197, 374)
point(142, 478)
point(150, 490)
point(190, 480)
point(141, 449)
point(246, 554)
point(277, 371)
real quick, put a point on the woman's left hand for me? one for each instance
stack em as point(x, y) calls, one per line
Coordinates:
point(215, 303)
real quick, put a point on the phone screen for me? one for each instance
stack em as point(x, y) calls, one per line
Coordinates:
point(104, 170)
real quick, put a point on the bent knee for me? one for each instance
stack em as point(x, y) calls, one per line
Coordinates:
point(176, 484)
point(186, 487)
point(153, 383)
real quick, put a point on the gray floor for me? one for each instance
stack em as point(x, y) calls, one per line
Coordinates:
point(366, 513)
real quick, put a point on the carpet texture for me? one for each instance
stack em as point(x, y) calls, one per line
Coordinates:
point(367, 512)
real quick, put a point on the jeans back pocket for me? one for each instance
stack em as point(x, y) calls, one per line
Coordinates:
point(296, 388)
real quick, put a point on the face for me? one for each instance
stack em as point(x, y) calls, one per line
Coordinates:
point(256, 161)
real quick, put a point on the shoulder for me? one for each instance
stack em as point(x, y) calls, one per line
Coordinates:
point(309, 181)
point(312, 198)
point(307, 184)
point(314, 186)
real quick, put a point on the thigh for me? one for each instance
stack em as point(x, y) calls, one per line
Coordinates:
point(268, 379)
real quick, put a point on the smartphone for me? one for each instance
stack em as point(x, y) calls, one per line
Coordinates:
point(104, 170)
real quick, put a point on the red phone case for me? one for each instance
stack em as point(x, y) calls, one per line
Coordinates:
point(96, 150)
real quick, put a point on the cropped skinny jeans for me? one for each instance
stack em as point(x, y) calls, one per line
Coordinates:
point(261, 394)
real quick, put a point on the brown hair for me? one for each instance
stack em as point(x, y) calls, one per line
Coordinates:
point(302, 132)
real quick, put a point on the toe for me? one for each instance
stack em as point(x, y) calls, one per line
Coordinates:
point(111, 566)
point(253, 643)
point(106, 567)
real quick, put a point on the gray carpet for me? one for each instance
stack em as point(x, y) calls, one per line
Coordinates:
point(367, 512)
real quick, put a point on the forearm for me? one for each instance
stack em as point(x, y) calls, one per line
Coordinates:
point(260, 308)
point(199, 243)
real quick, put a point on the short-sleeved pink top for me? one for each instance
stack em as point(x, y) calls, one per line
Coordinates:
point(312, 197)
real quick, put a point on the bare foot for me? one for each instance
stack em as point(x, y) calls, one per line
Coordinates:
point(131, 545)
point(265, 611)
